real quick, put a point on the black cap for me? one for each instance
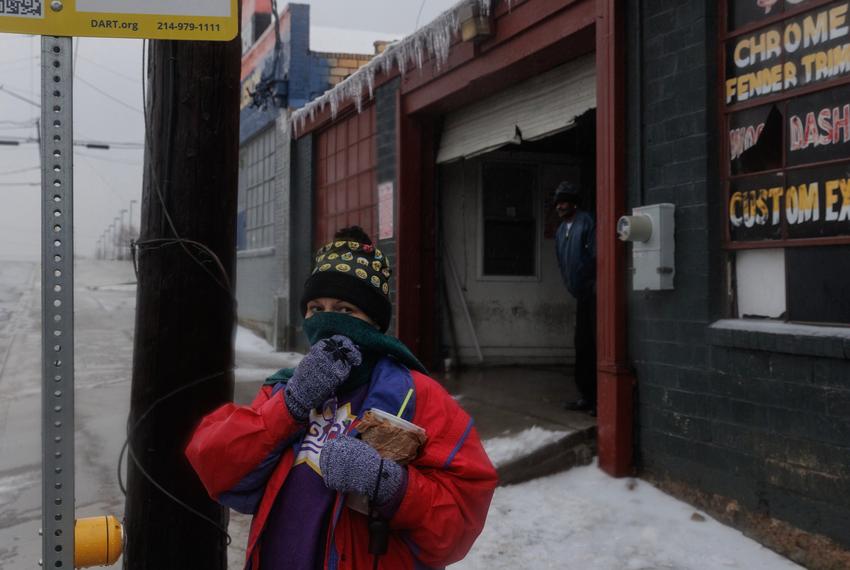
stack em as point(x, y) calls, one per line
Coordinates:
point(567, 192)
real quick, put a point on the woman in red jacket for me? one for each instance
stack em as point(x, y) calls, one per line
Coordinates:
point(292, 456)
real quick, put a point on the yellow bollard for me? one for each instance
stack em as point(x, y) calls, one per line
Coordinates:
point(97, 541)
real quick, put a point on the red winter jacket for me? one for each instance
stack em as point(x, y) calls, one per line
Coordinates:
point(243, 455)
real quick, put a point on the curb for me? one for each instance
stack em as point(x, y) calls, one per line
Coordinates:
point(575, 449)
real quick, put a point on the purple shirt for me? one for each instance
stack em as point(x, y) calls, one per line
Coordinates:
point(296, 530)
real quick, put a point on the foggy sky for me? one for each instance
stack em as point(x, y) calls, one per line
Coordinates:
point(107, 107)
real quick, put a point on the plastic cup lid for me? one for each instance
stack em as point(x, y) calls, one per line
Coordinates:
point(395, 420)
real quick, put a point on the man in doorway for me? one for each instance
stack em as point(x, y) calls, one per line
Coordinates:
point(575, 246)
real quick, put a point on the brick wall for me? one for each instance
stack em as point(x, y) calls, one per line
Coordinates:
point(341, 65)
point(759, 418)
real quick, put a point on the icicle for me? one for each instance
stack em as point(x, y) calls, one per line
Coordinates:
point(417, 46)
point(354, 89)
point(334, 101)
point(399, 60)
point(432, 41)
point(370, 79)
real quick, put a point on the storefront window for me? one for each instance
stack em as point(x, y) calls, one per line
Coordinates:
point(787, 175)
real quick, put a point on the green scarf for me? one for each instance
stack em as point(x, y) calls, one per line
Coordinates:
point(373, 345)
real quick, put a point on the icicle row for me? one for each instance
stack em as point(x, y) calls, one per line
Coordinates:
point(433, 39)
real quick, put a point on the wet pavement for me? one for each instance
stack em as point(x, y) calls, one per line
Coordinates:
point(104, 313)
point(507, 400)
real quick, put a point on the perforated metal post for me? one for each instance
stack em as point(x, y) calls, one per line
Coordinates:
point(57, 302)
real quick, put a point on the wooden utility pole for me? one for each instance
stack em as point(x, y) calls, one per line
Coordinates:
point(185, 312)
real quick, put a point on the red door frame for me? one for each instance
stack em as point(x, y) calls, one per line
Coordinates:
point(615, 378)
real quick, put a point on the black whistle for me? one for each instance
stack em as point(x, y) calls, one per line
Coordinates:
point(379, 536)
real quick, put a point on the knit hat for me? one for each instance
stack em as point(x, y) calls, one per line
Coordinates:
point(351, 269)
point(567, 192)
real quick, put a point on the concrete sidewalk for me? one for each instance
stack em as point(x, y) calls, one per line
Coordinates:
point(505, 401)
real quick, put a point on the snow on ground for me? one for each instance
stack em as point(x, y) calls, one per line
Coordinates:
point(586, 520)
point(256, 359)
point(246, 341)
point(504, 449)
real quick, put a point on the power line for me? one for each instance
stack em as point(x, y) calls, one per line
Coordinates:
point(108, 95)
point(107, 158)
point(95, 144)
point(20, 183)
point(19, 170)
point(109, 69)
point(11, 93)
point(18, 60)
point(419, 15)
point(19, 124)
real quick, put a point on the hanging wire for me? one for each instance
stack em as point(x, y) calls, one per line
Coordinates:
point(267, 91)
point(419, 15)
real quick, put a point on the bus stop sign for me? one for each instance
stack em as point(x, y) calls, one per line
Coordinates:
point(209, 20)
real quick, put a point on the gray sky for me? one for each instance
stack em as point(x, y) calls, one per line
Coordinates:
point(107, 106)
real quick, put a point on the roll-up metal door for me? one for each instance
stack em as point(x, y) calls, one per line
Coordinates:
point(541, 106)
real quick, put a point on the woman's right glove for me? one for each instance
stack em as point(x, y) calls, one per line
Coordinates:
point(319, 374)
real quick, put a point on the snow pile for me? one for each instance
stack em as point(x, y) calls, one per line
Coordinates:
point(585, 519)
point(502, 450)
point(247, 341)
point(256, 359)
point(430, 42)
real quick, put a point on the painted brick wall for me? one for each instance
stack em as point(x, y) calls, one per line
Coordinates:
point(761, 419)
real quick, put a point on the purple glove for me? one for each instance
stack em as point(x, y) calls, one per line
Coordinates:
point(317, 377)
point(352, 466)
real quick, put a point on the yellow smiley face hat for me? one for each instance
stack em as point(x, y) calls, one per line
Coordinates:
point(352, 269)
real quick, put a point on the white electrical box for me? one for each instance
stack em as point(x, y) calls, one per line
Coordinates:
point(651, 230)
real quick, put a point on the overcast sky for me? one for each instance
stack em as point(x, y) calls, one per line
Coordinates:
point(107, 107)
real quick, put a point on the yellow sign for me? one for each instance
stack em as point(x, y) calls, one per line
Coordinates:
point(209, 20)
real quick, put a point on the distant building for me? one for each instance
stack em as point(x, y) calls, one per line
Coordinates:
point(277, 77)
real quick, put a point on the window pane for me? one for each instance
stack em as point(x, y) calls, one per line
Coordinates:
point(760, 280)
point(755, 139)
point(756, 207)
point(819, 126)
point(509, 191)
point(818, 282)
point(817, 202)
point(509, 247)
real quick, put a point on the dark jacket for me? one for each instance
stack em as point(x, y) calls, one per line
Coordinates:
point(576, 253)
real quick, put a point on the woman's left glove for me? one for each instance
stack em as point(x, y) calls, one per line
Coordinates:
point(352, 466)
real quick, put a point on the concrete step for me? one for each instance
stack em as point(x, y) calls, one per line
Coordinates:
point(574, 449)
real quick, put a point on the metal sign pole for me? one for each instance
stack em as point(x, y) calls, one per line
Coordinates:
point(57, 304)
